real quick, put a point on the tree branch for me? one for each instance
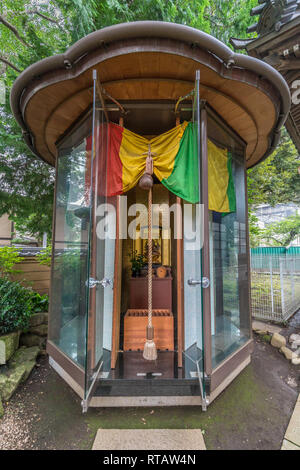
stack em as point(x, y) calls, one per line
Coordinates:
point(214, 22)
point(14, 31)
point(7, 62)
point(45, 17)
point(270, 237)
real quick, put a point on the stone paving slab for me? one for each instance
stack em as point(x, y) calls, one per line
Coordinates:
point(260, 325)
point(293, 431)
point(287, 445)
point(149, 439)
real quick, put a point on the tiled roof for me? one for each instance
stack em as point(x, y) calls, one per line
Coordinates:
point(273, 14)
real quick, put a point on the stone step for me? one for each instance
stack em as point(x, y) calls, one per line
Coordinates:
point(148, 439)
point(8, 345)
point(26, 357)
point(9, 382)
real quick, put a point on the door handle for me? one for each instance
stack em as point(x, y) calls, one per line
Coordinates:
point(204, 282)
point(91, 282)
point(105, 282)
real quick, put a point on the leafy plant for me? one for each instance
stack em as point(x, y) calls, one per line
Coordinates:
point(40, 303)
point(282, 233)
point(255, 232)
point(137, 261)
point(15, 306)
point(31, 31)
point(44, 256)
point(9, 257)
point(276, 179)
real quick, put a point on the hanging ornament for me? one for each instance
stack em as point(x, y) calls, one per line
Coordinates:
point(146, 182)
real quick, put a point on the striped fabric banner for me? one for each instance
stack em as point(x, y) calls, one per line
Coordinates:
point(175, 163)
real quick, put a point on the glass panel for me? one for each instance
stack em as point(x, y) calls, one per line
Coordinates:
point(193, 298)
point(70, 264)
point(230, 318)
point(102, 253)
point(84, 248)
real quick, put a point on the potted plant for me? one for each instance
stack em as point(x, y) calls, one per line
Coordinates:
point(137, 263)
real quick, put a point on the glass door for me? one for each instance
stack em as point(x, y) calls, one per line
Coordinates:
point(101, 249)
point(195, 282)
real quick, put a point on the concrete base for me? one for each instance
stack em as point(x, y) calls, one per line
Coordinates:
point(66, 377)
point(105, 401)
point(229, 379)
point(149, 439)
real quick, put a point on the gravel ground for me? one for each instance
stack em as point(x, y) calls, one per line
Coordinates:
point(17, 427)
point(252, 413)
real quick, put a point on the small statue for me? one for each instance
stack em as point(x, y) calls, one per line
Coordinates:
point(155, 251)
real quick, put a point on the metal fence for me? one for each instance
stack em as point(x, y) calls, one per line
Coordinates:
point(275, 283)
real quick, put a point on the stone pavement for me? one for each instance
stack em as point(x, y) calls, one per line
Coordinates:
point(291, 439)
point(264, 326)
point(149, 439)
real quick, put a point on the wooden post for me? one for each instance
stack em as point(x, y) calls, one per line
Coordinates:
point(206, 258)
point(117, 285)
point(179, 277)
point(117, 291)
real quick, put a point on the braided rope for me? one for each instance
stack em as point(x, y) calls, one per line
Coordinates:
point(150, 257)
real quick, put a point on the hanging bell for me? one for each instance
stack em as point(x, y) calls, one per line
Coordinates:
point(146, 182)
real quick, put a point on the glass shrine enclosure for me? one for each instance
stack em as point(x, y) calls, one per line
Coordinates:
point(131, 93)
point(84, 269)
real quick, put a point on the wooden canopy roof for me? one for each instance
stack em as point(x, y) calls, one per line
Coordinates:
point(151, 61)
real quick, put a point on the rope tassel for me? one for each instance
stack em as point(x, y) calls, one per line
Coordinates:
point(146, 182)
point(150, 352)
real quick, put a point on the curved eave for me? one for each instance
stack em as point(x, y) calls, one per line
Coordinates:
point(187, 43)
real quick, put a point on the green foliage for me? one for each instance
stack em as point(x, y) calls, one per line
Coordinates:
point(229, 18)
point(40, 303)
point(17, 303)
point(26, 183)
point(9, 257)
point(69, 262)
point(255, 232)
point(71, 267)
point(44, 257)
point(267, 338)
point(15, 306)
point(137, 261)
point(34, 30)
point(276, 180)
point(282, 233)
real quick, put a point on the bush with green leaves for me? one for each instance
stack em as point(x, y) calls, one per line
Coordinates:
point(40, 303)
point(9, 257)
point(15, 306)
point(44, 256)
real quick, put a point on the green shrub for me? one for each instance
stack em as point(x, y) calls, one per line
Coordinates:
point(15, 306)
point(44, 257)
point(40, 303)
point(9, 257)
